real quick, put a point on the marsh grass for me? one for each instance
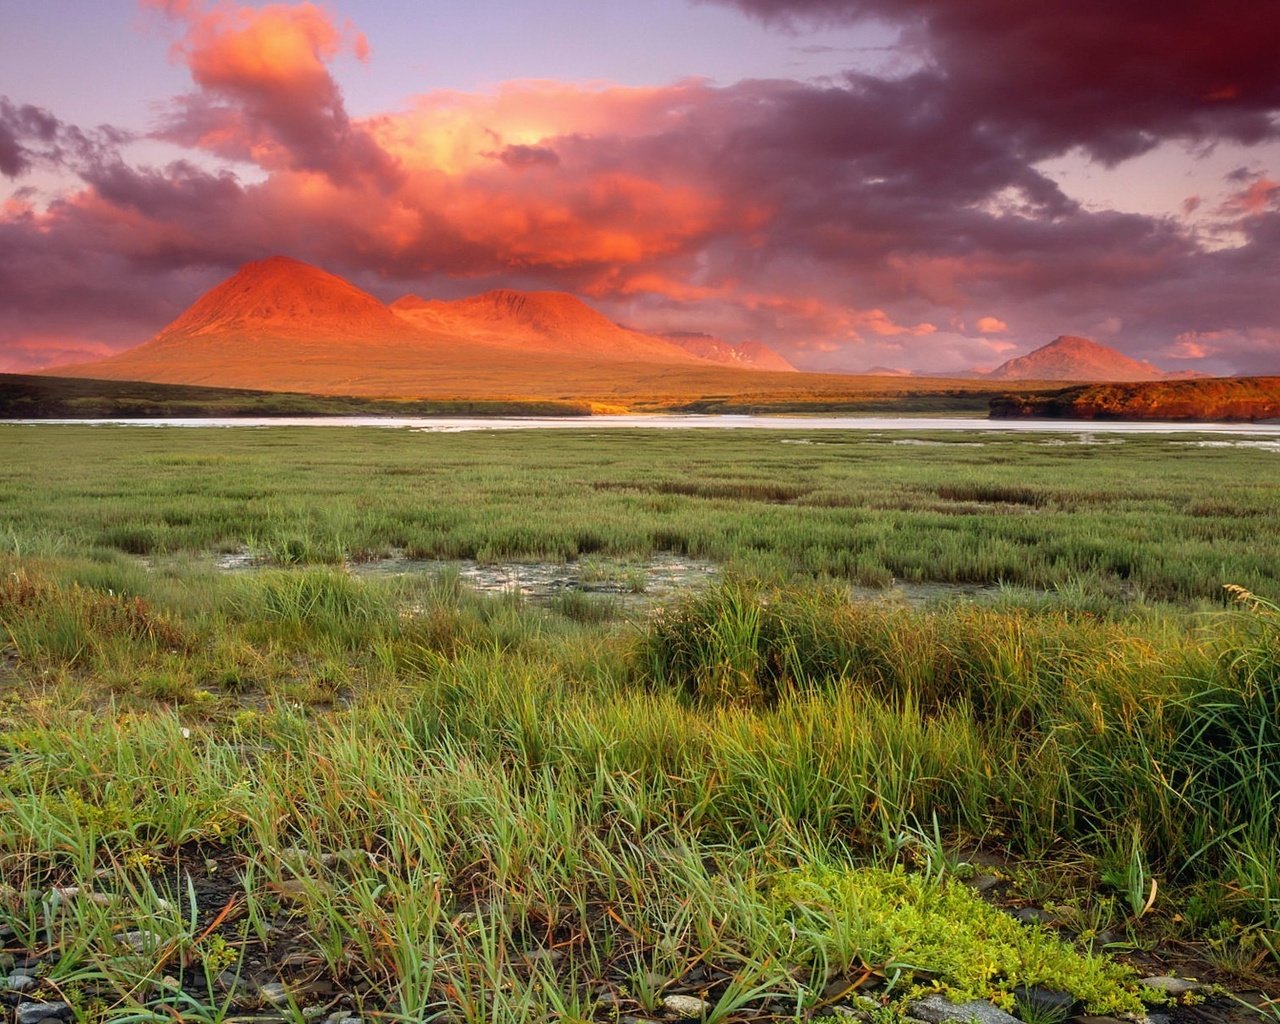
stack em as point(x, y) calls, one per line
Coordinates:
point(474, 808)
point(524, 807)
point(1127, 521)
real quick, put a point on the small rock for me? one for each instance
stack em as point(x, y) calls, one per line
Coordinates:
point(859, 1007)
point(230, 983)
point(689, 1007)
point(6, 963)
point(342, 1017)
point(274, 993)
point(1034, 915)
point(1046, 1002)
point(544, 956)
point(1090, 1019)
point(938, 1009)
point(349, 860)
point(19, 983)
point(983, 883)
point(1171, 986)
point(142, 941)
point(33, 1013)
point(312, 1012)
point(295, 891)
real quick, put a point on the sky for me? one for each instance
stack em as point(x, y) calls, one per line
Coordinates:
point(932, 185)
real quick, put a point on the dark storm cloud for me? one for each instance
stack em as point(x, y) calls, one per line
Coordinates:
point(1111, 77)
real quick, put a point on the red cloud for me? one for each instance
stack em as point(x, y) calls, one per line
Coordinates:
point(266, 91)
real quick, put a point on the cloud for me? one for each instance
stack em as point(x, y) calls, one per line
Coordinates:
point(32, 137)
point(1112, 78)
point(266, 94)
point(848, 222)
point(1259, 195)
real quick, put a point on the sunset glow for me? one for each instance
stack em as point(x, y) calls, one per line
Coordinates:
point(960, 198)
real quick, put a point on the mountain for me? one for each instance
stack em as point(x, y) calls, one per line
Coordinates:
point(1070, 358)
point(264, 327)
point(283, 325)
point(750, 354)
point(279, 325)
point(550, 322)
point(1219, 399)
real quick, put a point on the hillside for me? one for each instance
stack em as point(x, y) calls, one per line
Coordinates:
point(283, 326)
point(1076, 359)
point(546, 322)
point(749, 354)
point(1217, 399)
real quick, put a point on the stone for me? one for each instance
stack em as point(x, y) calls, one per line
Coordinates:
point(1171, 986)
point(938, 1009)
point(230, 983)
point(349, 860)
point(859, 1007)
point(689, 1007)
point(1034, 915)
point(19, 983)
point(142, 941)
point(342, 1017)
point(274, 993)
point(983, 883)
point(1046, 1002)
point(33, 1013)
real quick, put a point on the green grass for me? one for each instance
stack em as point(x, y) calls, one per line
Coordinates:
point(453, 806)
point(1146, 518)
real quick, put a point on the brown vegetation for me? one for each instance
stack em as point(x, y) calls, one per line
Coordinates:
point(1205, 399)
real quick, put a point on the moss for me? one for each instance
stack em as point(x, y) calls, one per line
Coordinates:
point(940, 933)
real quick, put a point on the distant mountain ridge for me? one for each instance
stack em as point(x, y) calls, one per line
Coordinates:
point(1069, 357)
point(536, 321)
point(752, 354)
point(281, 324)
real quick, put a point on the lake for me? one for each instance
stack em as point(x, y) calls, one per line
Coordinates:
point(449, 424)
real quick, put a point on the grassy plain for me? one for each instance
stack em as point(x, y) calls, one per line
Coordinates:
point(432, 803)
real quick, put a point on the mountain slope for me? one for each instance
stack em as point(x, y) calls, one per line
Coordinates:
point(1071, 358)
point(263, 327)
point(750, 354)
point(548, 322)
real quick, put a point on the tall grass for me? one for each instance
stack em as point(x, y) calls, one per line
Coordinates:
point(451, 806)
